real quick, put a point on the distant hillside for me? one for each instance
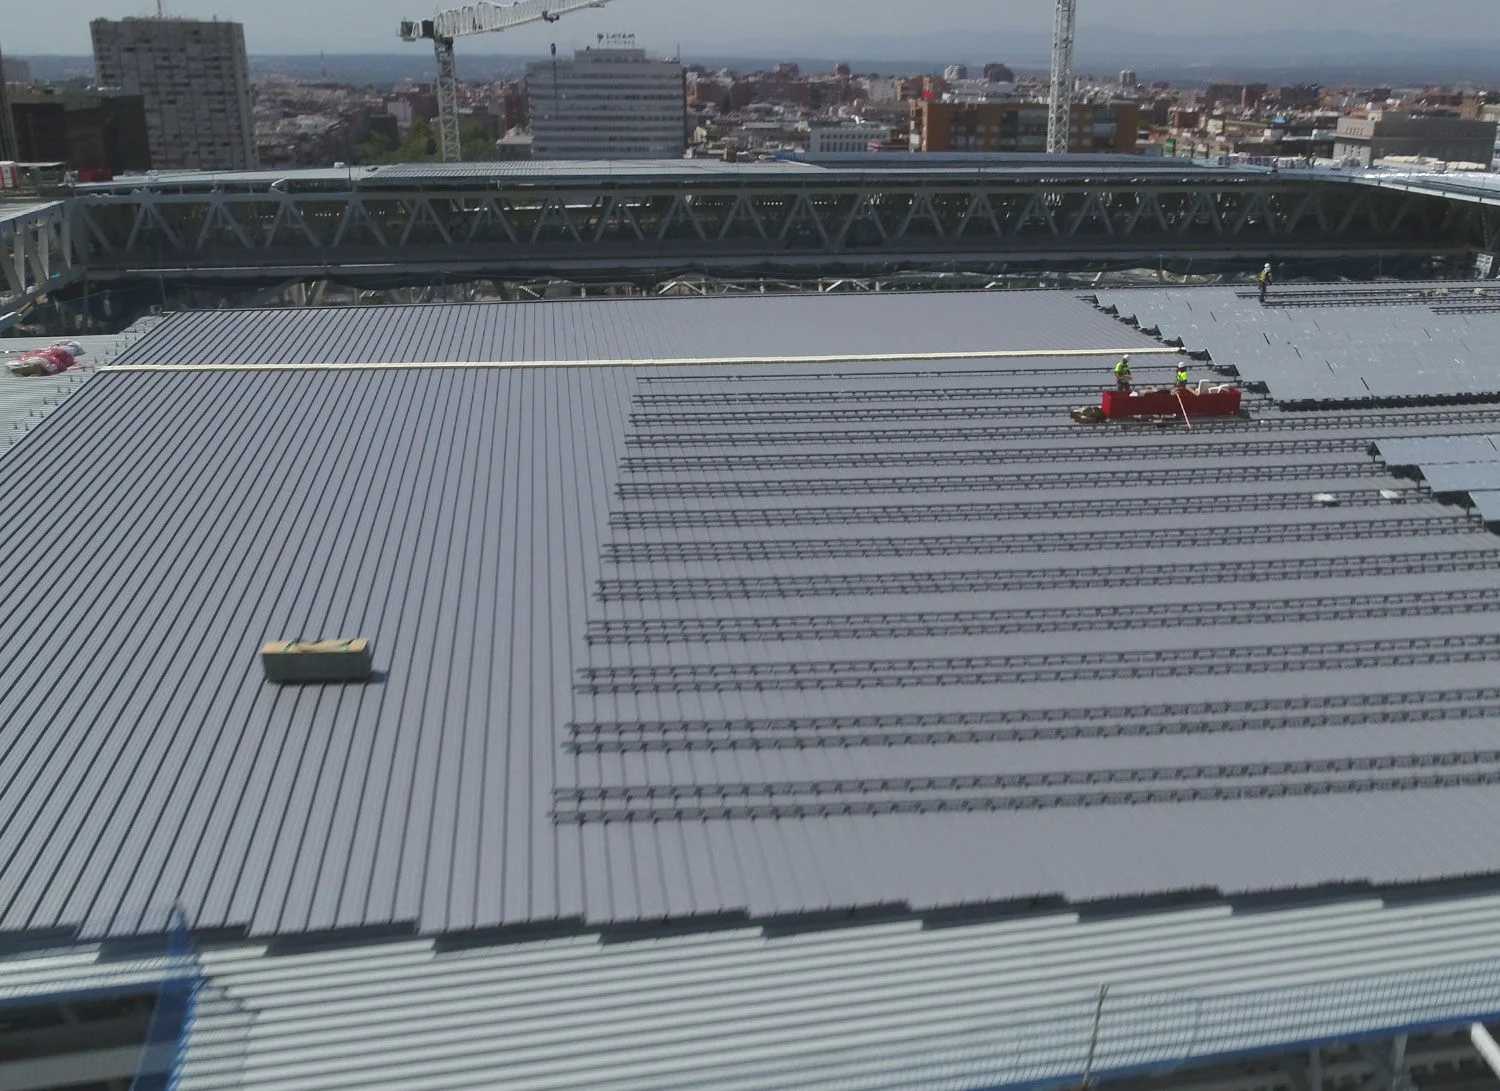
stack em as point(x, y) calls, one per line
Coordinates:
point(1274, 57)
point(1330, 58)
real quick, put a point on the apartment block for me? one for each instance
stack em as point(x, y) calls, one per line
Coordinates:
point(1366, 140)
point(845, 139)
point(1021, 127)
point(195, 79)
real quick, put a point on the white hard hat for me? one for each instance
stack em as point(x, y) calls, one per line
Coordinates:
point(1126, 357)
point(1268, 265)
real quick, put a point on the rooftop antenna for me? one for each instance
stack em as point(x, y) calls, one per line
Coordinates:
point(1060, 104)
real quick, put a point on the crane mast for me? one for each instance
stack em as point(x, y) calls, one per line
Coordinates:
point(1060, 104)
point(447, 96)
point(479, 18)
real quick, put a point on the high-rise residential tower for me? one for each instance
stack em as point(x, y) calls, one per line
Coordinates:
point(195, 79)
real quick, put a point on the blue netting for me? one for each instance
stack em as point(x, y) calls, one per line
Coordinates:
point(182, 979)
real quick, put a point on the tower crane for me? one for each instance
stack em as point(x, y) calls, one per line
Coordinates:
point(1060, 104)
point(478, 18)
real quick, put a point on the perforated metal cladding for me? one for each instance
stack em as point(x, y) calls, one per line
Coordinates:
point(1037, 791)
point(1041, 619)
point(1393, 525)
point(1056, 666)
point(677, 488)
point(1024, 725)
point(1082, 450)
point(1097, 577)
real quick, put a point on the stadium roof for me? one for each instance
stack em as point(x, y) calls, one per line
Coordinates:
point(1478, 187)
point(23, 401)
point(1336, 345)
point(1468, 187)
point(19, 210)
point(892, 1005)
point(837, 168)
point(794, 640)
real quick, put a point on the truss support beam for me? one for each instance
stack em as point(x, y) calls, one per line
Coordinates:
point(38, 254)
point(1486, 1047)
point(789, 221)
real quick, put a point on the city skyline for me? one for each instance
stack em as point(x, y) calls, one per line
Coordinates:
point(285, 26)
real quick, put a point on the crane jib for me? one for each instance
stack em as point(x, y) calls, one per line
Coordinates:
point(480, 18)
point(484, 18)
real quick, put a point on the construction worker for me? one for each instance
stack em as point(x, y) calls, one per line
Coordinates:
point(1122, 374)
point(1265, 281)
point(1182, 377)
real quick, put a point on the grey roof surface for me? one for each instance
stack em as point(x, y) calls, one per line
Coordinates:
point(890, 1005)
point(593, 168)
point(1338, 344)
point(1479, 186)
point(772, 639)
point(1466, 466)
point(836, 167)
point(1440, 450)
point(633, 329)
point(19, 210)
point(23, 401)
point(839, 165)
point(1487, 503)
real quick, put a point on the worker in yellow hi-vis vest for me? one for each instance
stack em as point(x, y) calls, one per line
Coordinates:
point(1182, 377)
point(1122, 374)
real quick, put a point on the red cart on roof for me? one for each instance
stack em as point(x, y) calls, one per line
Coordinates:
point(1201, 401)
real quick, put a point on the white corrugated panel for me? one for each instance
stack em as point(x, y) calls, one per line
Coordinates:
point(878, 1006)
point(22, 209)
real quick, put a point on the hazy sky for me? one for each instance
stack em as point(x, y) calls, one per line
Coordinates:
point(736, 26)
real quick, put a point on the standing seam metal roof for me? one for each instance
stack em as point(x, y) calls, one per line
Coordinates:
point(634, 329)
point(573, 718)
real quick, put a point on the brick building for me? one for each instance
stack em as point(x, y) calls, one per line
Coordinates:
point(1021, 127)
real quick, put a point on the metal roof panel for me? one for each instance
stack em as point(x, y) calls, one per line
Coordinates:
point(1334, 344)
point(635, 662)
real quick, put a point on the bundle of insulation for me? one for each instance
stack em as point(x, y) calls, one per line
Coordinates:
point(48, 361)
